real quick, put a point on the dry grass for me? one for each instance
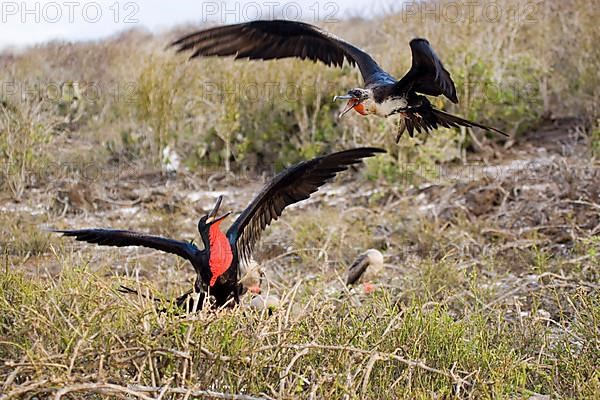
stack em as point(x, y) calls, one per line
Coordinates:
point(491, 281)
point(538, 64)
point(77, 330)
point(479, 300)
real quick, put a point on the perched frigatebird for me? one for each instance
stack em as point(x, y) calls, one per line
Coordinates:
point(365, 268)
point(382, 95)
point(249, 281)
point(217, 265)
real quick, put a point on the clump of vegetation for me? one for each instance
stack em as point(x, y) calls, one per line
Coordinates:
point(21, 237)
point(447, 337)
point(223, 112)
point(158, 107)
point(25, 132)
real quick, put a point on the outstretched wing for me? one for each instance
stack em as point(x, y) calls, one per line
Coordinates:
point(267, 40)
point(119, 238)
point(427, 74)
point(294, 184)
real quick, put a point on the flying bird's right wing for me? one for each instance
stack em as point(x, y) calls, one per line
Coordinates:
point(292, 185)
point(268, 40)
point(427, 74)
point(119, 238)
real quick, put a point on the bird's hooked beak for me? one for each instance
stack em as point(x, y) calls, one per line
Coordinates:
point(352, 102)
point(212, 216)
point(344, 97)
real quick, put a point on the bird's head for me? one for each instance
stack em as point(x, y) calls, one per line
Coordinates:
point(375, 258)
point(211, 218)
point(376, 266)
point(251, 277)
point(359, 100)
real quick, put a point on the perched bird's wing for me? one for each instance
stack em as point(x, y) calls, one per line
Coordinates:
point(267, 40)
point(180, 301)
point(118, 238)
point(358, 267)
point(429, 119)
point(427, 74)
point(294, 184)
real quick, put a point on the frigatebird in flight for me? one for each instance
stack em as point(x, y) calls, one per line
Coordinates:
point(382, 94)
point(217, 265)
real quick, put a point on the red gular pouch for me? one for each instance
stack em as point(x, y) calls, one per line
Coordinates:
point(221, 255)
point(358, 107)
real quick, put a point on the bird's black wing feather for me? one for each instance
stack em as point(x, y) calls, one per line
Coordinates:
point(428, 118)
point(120, 238)
point(427, 74)
point(358, 267)
point(267, 40)
point(294, 184)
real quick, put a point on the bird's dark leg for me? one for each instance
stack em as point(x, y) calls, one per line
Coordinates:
point(128, 290)
point(198, 284)
point(180, 301)
point(191, 301)
point(239, 290)
point(200, 294)
point(401, 128)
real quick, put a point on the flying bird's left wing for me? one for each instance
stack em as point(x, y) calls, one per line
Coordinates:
point(294, 184)
point(268, 40)
point(427, 74)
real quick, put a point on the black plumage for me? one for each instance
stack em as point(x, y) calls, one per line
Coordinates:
point(268, 40)
point(425, 118)
point(358, 267)
point(427, 75)
point(382, 94)
point(292, 185)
